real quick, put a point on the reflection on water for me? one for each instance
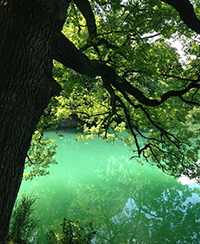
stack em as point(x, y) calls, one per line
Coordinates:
point(127, 202)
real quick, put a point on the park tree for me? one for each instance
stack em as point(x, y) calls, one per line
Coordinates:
point(121, 74)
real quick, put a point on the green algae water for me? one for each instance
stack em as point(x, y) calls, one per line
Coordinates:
point(127, 202)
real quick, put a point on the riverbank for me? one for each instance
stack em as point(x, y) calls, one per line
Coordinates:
point(68, 123)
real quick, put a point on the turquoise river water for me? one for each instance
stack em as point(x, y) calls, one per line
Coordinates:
point(127, 202)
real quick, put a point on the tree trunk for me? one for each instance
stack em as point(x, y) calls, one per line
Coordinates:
point(29, 30)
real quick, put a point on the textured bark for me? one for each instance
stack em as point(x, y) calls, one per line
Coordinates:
point(29, 31)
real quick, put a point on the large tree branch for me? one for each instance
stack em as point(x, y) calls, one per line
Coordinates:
point(67, 54)
point(129, 89)
point(85, 8)
point(186, 12)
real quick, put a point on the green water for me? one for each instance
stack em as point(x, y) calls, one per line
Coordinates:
point(127, 202)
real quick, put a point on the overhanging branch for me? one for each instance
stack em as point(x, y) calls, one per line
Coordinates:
point(71, 57)
point(186, 12)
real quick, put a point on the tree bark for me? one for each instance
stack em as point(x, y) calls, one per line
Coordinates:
point(29, 31)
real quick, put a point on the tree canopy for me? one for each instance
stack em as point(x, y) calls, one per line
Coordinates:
point(114, 68)
point(118, 72)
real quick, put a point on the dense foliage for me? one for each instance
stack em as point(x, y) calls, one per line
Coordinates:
point(149, 94)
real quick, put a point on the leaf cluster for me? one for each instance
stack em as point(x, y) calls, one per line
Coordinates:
point(40, 155)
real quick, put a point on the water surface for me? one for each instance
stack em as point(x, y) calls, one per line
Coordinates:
point(127, 202)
